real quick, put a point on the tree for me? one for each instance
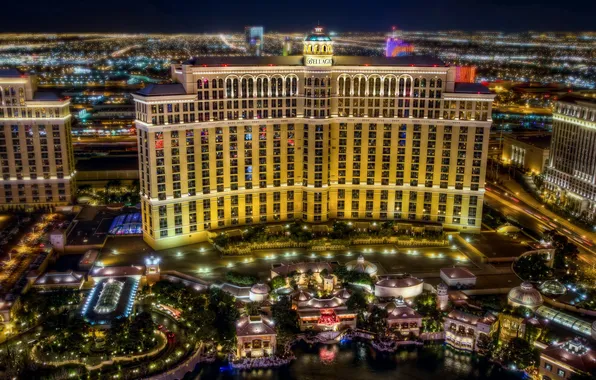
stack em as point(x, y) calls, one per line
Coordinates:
point(286, 318)
point(519, 352)
point(357, 301)
point(223, 306)
point(278, 282)
point(142, 330)
point(532, 267)
point(484, 344)
point(241, 279)
point(253, 308)
point(341, 230)
point(377, 321)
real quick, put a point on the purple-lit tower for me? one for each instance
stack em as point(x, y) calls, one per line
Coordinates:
point(396, 47)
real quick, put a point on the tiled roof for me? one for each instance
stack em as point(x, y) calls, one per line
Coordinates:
point(248, 326)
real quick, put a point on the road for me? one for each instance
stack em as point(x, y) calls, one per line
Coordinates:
point(539, 220)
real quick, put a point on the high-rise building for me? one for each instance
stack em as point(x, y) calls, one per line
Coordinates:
point(287, 47)
point(396, 47)
point(254, 39)
point(36, 153)
point(571, 173)
point(315, 137)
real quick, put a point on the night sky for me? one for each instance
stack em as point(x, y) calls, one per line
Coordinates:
point(282, 15)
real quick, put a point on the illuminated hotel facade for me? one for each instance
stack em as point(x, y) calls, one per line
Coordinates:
point(36, 154)
point(571, 173)
point(317, 137)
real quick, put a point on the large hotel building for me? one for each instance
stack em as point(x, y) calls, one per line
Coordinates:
point(316, 137)
point(36, 154)
point(571, 172)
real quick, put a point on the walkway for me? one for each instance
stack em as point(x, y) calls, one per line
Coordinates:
point(187, 366)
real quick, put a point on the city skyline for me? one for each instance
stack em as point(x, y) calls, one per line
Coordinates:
point(176, 16)
point(321, 203)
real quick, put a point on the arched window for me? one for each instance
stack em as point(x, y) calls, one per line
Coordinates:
point(214, 83)
point(439, 83)
point(243, 88)
point(408, 86)
point(251, 87)
point(279, 86)
point(386, 83)
point(324, 48)
point(317, 82)
point(309, 82)
point(265, 86)
point(416, 82)
point(348, 91)
point(259, 87)
point(402, 87)
point(393, 87)
point(199, 84)
point(362, 86)
point(423, 82)
point(288, 86)
point(294, 86)
point(432, 82)
point(229, 88)
point(220, 83)
point(235, 87)
point(206, 83)
point(340, 86)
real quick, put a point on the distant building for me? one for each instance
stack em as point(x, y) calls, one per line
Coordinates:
point(525, 295)
point(395, 47)
point(571, 173)
point(254, 38)
point(400, 285)
point(324, 314)
point(527, 151)
point(60, 280)
point(36, 154)
point(402, 319)
point(255, 337)
point(463, 330)
point(458, 276)
point(287, 47)
point(563, 360)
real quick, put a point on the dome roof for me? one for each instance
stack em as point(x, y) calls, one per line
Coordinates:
point(260, 289)
point(318, 35)
point(301, 296)
point(362, 266)
point(525, 295)
point(401, 281)
point(552, 287)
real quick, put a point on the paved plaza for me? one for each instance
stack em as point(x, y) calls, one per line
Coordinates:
point(204, 261)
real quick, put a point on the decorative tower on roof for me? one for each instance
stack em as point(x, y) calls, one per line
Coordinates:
point(318, 48)
point(442, 296)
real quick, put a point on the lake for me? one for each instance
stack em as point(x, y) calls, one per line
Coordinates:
point(356, 360)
